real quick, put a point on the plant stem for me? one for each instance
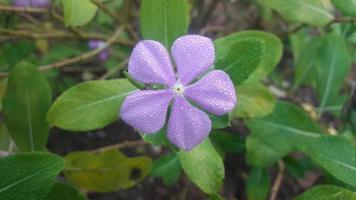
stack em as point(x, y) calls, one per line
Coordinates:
point(22, 9)
point(120, 145)
point(79, 58)
point(278, 181)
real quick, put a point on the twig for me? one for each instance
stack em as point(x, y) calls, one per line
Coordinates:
point(106, 10)
point(22, 9)
point(277, 181)
point(111, 72)
point(79, 58)
point(59, 18)
point(115, 17)
point(120, 145)
point(60, 34)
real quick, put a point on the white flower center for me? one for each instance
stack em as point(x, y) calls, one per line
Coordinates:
point(178, 88)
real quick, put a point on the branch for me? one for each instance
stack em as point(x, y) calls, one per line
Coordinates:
point(22, 9)
point(115, 17)
point(120, 145)
point(113, 71)
point(60, 34)
point(278, 181)
point(79, 58)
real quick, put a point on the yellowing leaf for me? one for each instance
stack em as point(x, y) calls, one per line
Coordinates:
point(107, 171)
point(254, 100)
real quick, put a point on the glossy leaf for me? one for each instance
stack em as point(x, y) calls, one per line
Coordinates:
point(89, 105)
point(164, 21)
point(305, 50)
point(62, 191)
point(204, 166)
point(28, 175)
point(329, 192)
point(26, 104)
point(335, 154)
point(242, 59)
point(78, 12)
point(258, 184)
point(333, 66)
point(254, 100)
point(167, 167)
point(347, 7)
point(312, 12)
point(158, 138)
point(272, 54)
point(218, 122)
point(107, 171)
point(276, 135)
point(290, 129)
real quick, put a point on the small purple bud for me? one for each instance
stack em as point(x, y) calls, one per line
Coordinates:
point(94, 44)
point(103, 56)
point(32, 3)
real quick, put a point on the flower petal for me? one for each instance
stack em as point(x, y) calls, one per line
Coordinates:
point(150, 63)
point(215, 93)
point(146, 110)
point(193, 55)
point(187, 126)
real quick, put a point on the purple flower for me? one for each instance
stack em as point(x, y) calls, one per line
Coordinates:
point(93, 44)
point(188, 125)
point(32, 3)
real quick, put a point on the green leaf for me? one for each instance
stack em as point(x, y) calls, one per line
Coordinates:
point(3, 86)
point(216, 197)
point(347, 7)
point(289, 129)
point(258, 184)
point(228, 142)
point(29, 175)
point(62, 190)
point(312, 12)
point(158, 138)
point(107, 171)
point(167, 167)
point(218, 122)
point(5, 139)
point(242, 59)
point(334, 65)
point(13, 52)
point(272, 50)
point(277, 134)
point(89, 105)
point(78, 12)
point(26, 104)
point(305, 50)
point(204, 166)
point(164, 20)
point(335, 154)
point(255, 100)
point(327, 192)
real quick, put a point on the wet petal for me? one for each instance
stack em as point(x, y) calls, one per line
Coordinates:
point(150, 63)
point(146, 110)
point(193, 55)
point(187, 126)
point(215, 93)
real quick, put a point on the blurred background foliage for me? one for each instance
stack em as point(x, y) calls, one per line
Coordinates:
point(292, 131)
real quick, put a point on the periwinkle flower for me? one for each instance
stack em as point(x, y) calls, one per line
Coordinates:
point(93, 44)
point(32, 3)
point(188, 124)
